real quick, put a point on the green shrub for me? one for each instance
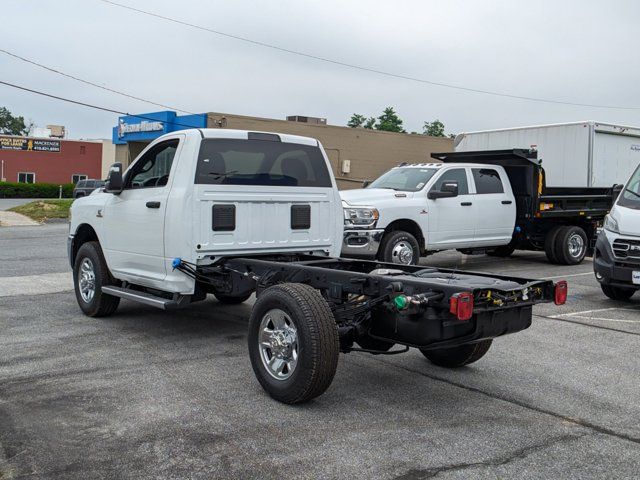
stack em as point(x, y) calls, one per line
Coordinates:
point(34, 190)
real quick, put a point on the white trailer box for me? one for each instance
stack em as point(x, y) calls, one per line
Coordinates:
point(581, 154)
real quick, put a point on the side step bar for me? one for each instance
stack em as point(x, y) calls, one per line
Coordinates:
point(146, 298)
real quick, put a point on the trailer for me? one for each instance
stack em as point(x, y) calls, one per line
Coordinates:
point(578, 154)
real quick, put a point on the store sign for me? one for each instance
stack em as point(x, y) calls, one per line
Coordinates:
point(144, 126)
point(29, 144)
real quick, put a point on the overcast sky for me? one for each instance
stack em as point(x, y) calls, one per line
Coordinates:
point(575, 51)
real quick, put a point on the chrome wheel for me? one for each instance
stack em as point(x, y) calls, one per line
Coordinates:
point(576, 245)
point(402, 253)
point(87, 280)
point(278, 343)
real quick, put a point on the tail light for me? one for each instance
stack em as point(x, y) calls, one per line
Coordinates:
point(560, 292)
point(461, 305)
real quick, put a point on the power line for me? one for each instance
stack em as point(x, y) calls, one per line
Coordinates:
point(82, 80)
point(89, 105)
point(363, 68)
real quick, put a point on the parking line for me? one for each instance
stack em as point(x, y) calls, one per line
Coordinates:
point(570, 275)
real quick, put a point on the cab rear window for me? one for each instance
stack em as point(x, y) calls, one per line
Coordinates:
point(260, 162)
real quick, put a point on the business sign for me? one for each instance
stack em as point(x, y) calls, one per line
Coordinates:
point(144, 126)
point(29, 144)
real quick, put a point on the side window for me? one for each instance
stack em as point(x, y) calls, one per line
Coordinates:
point(153, 168)
point(487, 181)
point(456, 175)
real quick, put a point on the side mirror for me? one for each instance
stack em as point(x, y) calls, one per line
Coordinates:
point(366, 183)
point(447, 190)
point(114, 182)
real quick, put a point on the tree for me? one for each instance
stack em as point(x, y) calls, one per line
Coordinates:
point(10, 125)
point(389, 121)
point(356, 120)
point(360, 121)
point(434, 129)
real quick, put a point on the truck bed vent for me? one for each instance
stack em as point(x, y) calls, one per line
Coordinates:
point(300, 217)
point(224, 218)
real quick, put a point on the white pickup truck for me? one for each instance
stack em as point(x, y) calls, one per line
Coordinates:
point(232, 213)
point(477, 202)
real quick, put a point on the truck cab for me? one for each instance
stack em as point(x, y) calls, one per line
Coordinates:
point(415, 209)
point(187, 195)
point(617, 256)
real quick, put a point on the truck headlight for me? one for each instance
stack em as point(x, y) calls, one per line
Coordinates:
point(611, 224)
point(360, 216)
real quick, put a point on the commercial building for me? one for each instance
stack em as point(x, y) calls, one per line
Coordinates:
point(356, 154)
point(48, 160)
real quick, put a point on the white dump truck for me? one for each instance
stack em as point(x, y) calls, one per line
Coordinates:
point(231, 213)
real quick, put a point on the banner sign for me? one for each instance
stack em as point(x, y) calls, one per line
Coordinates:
point(29, 144)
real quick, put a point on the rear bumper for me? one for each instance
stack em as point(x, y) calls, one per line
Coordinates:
point(608, 269)
point(361, 243)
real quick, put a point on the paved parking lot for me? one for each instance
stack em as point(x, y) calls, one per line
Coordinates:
point(149, 394)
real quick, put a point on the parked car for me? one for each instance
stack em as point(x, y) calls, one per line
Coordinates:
point(617, 257)
point(85, 187)
point(230, 213)
point(477, 202)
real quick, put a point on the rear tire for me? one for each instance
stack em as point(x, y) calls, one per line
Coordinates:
point(550, 244)
point(232, 299)
point(90, 274)
point(400, 247)
point(502, 251)
point(571, 245)
point(370, 343)
point(617, 293)
point(288, 318)
point(455, 357)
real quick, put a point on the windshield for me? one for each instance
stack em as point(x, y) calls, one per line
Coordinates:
point(630, 196)
point(410, 179)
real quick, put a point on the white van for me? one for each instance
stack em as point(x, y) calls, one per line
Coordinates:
point(617, 257)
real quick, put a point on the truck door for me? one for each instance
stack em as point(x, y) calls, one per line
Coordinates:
point(495, 207)
point(451, 220)
point(134, 220)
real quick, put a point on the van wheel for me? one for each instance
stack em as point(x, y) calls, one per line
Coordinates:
point(293, 342)
point(502, 251)
point(571, 245)
point(400, 247)
point(617, 293)
point(232, 299)
point(90, 274)
point(550, 244)
point(454, 357)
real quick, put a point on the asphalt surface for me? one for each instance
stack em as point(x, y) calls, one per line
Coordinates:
point(7, 203)
point(150, 394)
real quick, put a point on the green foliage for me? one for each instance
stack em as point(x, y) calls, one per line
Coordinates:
point(356, 120)
point(434, 129)
point(34, 190)
point(389, 121)
point(41, 210)
point(10, 125)
point(360, 121)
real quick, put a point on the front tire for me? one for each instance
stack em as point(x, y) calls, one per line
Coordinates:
point(90, 274)
point(400, 247)
point(293, 342)
point(455, 357)
point(617, 293)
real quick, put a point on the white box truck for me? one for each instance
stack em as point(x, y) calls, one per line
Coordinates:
point(579, 154)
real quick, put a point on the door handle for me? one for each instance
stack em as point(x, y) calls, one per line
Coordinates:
point(153, 204)
point(466, 204)
point(507, 202)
